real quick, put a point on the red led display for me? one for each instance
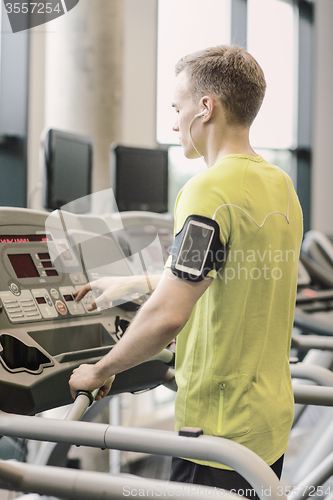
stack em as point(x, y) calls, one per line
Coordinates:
point(47, 264)
point(44, 256)
point(51, 272)
point(41, 300)
point(26, 238)
point(23, 266)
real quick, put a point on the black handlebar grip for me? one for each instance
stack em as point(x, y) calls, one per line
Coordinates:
point(88, 394)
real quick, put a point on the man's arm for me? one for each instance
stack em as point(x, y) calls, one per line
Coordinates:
point(157, 323)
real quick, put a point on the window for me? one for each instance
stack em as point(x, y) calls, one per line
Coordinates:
point(184, 26)
point(271, 41)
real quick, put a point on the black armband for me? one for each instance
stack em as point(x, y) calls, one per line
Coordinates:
point(197, 249)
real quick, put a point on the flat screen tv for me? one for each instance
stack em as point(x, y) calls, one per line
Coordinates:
point(67, 159)
point(140, 178)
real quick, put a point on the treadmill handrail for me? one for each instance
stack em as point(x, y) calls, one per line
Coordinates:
point(310, 325)
point(318, 476)
point(313, 395)
point(307, 342)
point(208, 448)
point(88, 485)
point(317, 374)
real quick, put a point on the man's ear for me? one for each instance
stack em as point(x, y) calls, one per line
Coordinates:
point(207, 105)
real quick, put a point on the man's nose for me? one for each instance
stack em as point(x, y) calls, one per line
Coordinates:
point(175, 127)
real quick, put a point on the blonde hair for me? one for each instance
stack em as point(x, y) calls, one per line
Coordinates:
point(232, 75)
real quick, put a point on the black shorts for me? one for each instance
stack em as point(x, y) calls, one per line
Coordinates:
point(185, 471)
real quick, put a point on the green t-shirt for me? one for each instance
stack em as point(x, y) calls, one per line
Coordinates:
point(232, 361)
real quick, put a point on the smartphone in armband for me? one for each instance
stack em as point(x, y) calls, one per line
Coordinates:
point(194, 249)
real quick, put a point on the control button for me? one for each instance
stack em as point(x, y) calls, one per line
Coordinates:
point(14, 288)
point(13, 308)
point(61, 307)
point(54, 293)
point(21, 309)
point(49, 312)
point(48, 300)
point(86, 301)
point(11, 303)
point(29, 309)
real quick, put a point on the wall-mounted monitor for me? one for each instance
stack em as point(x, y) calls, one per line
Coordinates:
point(67, 162)
point(140, 178)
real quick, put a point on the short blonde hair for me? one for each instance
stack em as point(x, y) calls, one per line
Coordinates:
point(232, 75)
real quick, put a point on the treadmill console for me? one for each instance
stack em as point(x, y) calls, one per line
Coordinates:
point(31, 288)
point(44, 332)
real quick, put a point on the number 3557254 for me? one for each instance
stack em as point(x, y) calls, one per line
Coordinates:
point(32, 7)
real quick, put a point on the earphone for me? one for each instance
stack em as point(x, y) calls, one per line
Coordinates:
point(200, 114)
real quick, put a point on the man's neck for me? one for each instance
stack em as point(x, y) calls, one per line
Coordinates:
point(230, 141)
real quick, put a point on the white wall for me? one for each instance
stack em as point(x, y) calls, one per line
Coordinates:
point(322, 178)
point(139, 73)
point(36, 113)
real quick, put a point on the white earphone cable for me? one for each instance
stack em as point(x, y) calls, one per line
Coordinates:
point(189, 130)
point(286, 216)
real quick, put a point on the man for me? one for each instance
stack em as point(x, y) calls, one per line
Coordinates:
point(234, 318)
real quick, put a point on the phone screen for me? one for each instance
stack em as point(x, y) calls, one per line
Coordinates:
point(195, 245)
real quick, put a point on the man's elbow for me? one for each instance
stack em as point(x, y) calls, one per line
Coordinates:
point(176, 321)
point(173, 321)
point(169, 320)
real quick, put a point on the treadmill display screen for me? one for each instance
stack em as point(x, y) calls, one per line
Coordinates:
point(23, 266)
point(27, 238)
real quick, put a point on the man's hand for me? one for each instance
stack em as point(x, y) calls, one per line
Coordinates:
point(108, 289)
point(84, 378)
point(105, 290)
